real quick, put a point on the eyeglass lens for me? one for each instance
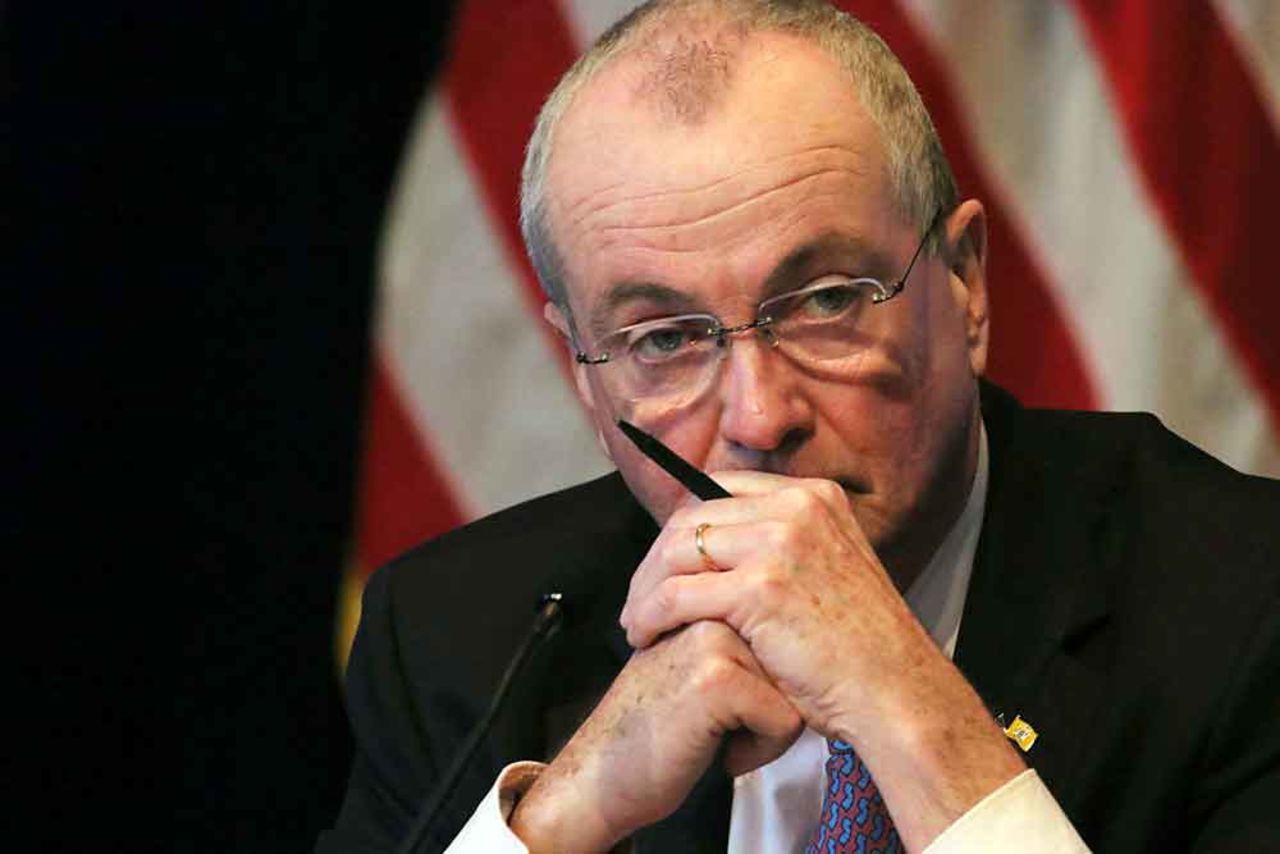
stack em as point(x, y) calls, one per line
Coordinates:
point(666, 365)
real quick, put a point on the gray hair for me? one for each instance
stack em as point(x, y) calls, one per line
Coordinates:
point(920, 176)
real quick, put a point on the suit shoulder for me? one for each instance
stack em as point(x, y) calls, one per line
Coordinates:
point(1139, 446)
point(1178, 504)
point(1156, 453)
point(479, 584)
point(530, 531)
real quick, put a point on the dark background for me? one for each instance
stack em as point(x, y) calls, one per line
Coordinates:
point(194, 197)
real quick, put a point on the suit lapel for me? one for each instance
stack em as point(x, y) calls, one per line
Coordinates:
point(1039, 585)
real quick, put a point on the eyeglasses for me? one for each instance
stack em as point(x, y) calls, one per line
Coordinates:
point(661, 366)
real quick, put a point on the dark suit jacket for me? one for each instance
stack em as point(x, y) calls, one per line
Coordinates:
point(1125, 600)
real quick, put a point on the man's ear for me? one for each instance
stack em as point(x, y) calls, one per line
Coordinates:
point(581, 379)
point(967, 253)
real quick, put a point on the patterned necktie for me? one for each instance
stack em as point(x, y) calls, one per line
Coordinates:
point(854, 817)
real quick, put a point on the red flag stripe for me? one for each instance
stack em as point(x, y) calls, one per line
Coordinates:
point(507, 56)
point(404, 496)
point(1033, 351)
point(1207, 155)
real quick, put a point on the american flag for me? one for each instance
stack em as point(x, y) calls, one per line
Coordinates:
point(1127, 151)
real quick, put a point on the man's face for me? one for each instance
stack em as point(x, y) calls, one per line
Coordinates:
point(781, 182)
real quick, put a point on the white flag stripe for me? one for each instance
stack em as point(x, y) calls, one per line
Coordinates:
point(1255, 27)
point(1052, 142)
point(460, 338)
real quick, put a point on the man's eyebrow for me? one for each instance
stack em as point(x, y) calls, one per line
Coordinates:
point(828, 248)
point(846, 248)
point(624, 293)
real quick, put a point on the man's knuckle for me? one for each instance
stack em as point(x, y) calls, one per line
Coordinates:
point(804, 501)
point(700, 632)
point(812, 501)
point(782, 535)
point(681, 518)
point(667, 551)
point(667, 595)
point(709, 636)
point(831, 492)
point(714, 674)
point(771, 585)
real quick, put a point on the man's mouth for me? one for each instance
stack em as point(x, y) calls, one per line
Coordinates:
point(853, 485)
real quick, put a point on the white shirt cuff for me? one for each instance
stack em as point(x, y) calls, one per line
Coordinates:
point(1019, 816)
point(487, 831)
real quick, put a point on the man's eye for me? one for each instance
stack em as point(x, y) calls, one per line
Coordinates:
point(655, 345)
point(831, 301)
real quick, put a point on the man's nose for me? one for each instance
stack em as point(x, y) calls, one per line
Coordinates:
point(763, 406)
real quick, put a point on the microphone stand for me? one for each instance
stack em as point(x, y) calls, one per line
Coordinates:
point(549, 617)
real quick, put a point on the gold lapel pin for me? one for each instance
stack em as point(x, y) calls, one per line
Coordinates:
point(1021, 733)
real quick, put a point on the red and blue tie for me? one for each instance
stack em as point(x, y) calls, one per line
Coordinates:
point(854, 818)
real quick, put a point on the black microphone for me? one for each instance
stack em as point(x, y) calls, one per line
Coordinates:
point(547, 621)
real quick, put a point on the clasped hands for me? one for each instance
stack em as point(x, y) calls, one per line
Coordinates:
point(792, 621)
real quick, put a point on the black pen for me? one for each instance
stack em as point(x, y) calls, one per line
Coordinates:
point(673, 464)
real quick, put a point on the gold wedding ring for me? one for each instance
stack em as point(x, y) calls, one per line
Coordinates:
point(701, 545)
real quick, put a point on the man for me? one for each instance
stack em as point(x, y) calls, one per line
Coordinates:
point(753, 244)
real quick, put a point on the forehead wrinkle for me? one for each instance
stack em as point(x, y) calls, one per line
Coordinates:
point(659, 238)
point(808, 151)
point(697, 235)
point(854, 253)
point(598, 199)
point(717, 214)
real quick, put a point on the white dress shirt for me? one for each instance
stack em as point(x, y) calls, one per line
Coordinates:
point(776, 807)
